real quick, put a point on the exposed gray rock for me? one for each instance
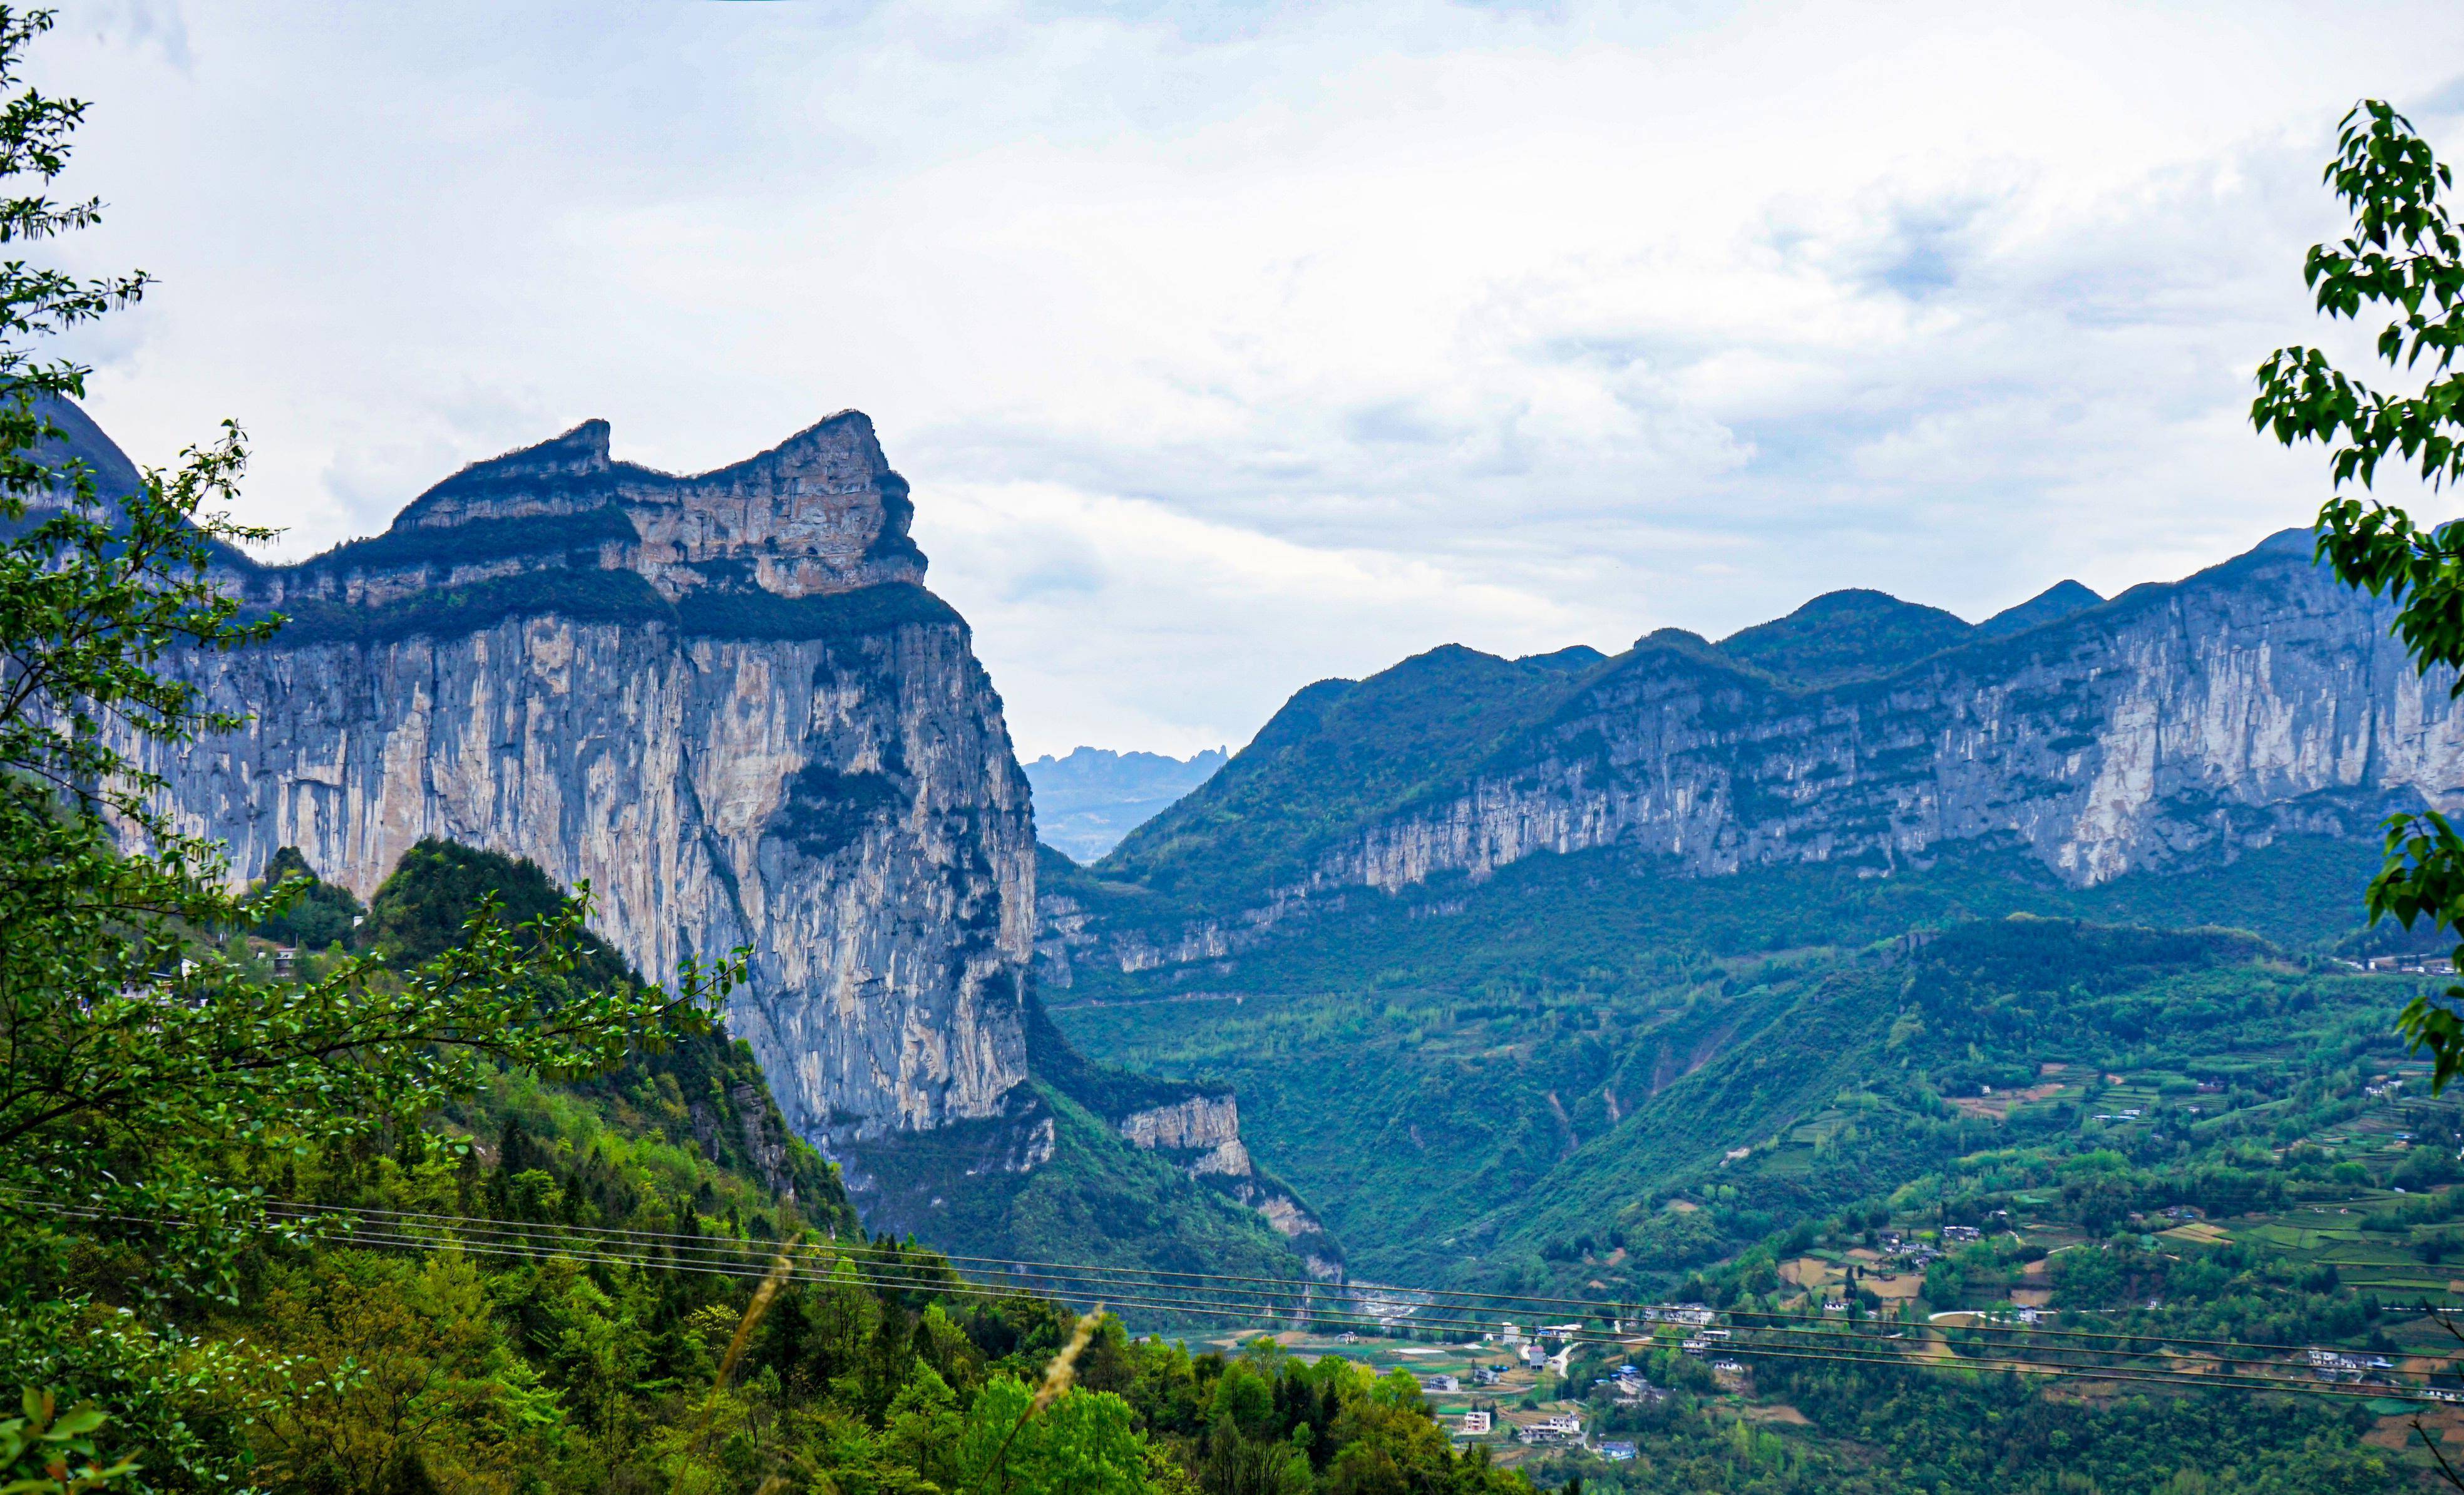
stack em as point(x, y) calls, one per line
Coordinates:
point(1206, 1126)
point(780, 742)
point(1202, 1134)
point(2174, 722)
point(727, 703)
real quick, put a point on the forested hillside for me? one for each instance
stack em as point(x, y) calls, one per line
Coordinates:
point(1935, 1092)
point(2186, 1132)
point(1432, 1068)
point(637, 1280)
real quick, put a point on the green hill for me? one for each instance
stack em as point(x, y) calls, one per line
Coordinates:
point(1339, 752)
point(558, 1284)
point(1084, 1194)
point(1849, 635)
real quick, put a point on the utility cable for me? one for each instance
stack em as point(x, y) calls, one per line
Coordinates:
point(922, 1277)
point(1866, 1350)
point(1292, 1287)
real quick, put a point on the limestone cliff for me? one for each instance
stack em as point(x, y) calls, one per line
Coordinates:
point(727, 703)
point(724, 702)
point(2176, 721)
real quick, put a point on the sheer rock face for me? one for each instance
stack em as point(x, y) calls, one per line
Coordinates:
point(2176, 720)
point(781, 743)
point(1203, 1130)
point(2174, 723)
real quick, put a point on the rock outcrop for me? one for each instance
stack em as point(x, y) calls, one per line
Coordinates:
point(1208, 1126)
point(2174, 722)
point(724, 702)
point(1202, 1134)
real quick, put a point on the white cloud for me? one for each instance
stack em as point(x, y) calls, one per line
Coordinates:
point(1230, 348)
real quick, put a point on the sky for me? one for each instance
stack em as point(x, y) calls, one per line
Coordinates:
point(1232, 347)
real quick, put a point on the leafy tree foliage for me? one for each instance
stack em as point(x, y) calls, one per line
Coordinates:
point(2403, 261)
point(143, 1064)
point(319, 915)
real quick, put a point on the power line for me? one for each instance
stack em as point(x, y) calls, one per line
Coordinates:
point(1287, 1287)
point(921, 1277)
point(2238, 1376)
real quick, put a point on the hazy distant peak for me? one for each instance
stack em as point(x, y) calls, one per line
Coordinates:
point(1084, 760)
point(1087, 800)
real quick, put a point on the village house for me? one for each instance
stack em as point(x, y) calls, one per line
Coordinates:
point(1555, 1427)
point(1679, 1313)
point(1439, 1382)
point(1617, 1452)
point(1476, 1423)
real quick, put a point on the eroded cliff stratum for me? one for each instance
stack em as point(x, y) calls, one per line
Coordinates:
point(726, 701)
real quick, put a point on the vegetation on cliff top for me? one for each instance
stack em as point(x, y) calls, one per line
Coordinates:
point(1340, 753)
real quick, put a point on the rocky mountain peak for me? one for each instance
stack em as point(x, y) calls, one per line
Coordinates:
point(580, 452)
point(818, 514)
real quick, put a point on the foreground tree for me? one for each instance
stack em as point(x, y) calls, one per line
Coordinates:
point(2404, 261)
point(142, 1062)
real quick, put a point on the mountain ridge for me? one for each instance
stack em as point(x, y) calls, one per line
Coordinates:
point(2255, 697)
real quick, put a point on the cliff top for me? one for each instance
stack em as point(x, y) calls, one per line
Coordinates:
point(563, 524)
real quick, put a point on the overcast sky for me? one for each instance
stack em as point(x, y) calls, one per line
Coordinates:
point(1231, 348)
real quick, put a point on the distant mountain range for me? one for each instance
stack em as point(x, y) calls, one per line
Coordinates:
point(2173, 722)
point(1086, 802)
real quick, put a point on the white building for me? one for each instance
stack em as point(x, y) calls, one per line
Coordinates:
point(1558, 1427)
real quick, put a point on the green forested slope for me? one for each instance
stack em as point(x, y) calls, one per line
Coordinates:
point(1849, 635)
point(580, 1322)
point(1095, 1199)
point(1419, 1066)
